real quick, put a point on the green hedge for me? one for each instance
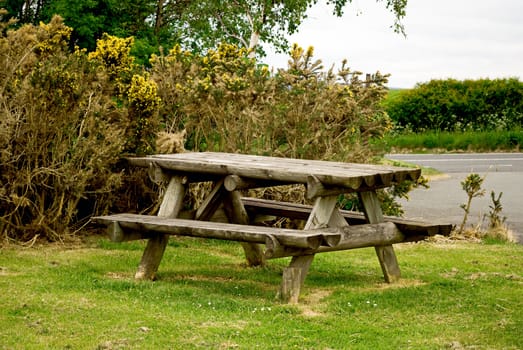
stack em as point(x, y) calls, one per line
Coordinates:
point(452, 105)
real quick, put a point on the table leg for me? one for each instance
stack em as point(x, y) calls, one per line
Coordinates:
point(294, 275)
point(171, 205)
point(386, 256)
point(238, 215)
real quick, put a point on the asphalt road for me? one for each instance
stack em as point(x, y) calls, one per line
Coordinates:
point(503, 173)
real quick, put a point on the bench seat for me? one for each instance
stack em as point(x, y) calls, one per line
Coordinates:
point(125, 227)
point(279, 242)
point(413, 229)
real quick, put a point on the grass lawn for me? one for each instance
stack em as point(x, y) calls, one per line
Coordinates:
point(456, 295)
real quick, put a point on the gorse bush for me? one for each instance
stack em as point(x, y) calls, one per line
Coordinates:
point(60, 132)
point(227, 102)
point(133, 89)
point(452, 105)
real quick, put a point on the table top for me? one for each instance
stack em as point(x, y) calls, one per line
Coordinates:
point(284, 170)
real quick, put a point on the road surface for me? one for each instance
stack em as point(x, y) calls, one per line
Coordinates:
point(503, 172)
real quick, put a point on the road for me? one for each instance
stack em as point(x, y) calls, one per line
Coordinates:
point(503, 173)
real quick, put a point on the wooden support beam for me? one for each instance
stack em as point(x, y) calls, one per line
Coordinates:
point(118, 235)
point(237, 214)
point(319, 218)
point(386, 256)
point(171, 205)
point(315, 188)
point(212, 202)
point(291, 284)
point(235, 183)
point(352, 237)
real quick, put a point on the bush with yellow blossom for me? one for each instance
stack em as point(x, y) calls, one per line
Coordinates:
point(228, 102)
point(133, 88)
point(60, 135)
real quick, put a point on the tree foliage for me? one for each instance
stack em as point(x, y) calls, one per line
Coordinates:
point(196, 25)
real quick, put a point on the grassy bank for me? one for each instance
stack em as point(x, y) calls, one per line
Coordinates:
point(452, 295)
point(471, 141)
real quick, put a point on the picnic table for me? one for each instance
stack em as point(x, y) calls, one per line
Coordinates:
point(326, 228)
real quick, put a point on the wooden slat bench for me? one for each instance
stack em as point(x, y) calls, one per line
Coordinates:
point(126, 227)
point(414, 230)
point(279, 242)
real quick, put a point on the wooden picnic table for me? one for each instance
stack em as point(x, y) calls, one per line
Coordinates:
point(326, 229)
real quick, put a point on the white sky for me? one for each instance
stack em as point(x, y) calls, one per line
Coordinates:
point(461, 39)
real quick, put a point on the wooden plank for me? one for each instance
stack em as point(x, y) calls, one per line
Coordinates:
point(171, 205)
point(412, 229)
point(226, 231)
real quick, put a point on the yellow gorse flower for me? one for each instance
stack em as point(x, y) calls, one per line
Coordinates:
point(143, 94)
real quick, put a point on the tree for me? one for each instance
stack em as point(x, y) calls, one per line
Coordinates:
point(249, 22)
point(25, 11)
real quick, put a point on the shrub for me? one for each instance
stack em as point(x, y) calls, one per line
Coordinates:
point(60, 133)
point(228, 103)
point(451, 105)
point(133, 89)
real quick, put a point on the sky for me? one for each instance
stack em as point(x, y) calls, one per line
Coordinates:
point(460, 39)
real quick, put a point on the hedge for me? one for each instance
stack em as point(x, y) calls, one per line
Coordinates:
point(452, 105)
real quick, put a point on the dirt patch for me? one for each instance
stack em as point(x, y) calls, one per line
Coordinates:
point(117, 276)
point(402, 283)
point(480, 275)
point(237, 325)
point(4, 272)
point(312, 303)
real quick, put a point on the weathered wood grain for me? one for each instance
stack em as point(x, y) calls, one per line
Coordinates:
point(386, 256)
point(238, 215)
point(319, 218)
point(226, 231)
point(235, 182)
point(211, 202)
point(351, 176)
point(352, 237)
point(171, 205)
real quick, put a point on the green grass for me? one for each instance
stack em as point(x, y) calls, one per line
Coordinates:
point(86, 298)
point(486, 141)
point(425, 171)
